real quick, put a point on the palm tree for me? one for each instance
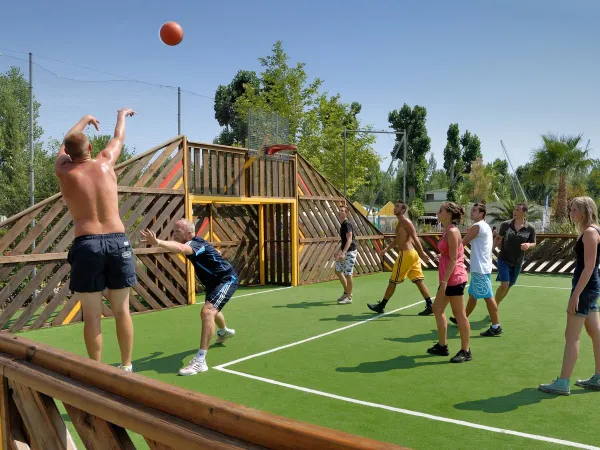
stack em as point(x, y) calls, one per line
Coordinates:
point(505, 210)
point(557, 159)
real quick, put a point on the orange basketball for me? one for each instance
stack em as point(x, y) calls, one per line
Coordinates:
point(171, 33)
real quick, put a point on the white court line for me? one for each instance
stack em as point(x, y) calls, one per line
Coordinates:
point(542, 287)
point(262, 292)
point(414, 413)
point(314, 337)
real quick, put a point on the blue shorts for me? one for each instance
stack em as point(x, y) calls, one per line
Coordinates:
point(588, 302)
point(101, 261)
point(219, 295)
point(481, 285)
point(507, 272)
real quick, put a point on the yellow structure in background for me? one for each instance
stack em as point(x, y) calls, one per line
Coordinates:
point(360, 208)
point(387, 209)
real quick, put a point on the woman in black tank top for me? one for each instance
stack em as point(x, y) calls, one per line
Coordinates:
point(583, 304)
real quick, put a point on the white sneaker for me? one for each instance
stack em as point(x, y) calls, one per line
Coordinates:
point(342, 297)
point(345, 301)
point(195, 366)
point(126, 368)
point(227, 333)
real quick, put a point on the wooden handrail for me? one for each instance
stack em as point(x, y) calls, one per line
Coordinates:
point(240, 422)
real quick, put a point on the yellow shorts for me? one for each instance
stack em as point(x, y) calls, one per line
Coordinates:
point(407, 265)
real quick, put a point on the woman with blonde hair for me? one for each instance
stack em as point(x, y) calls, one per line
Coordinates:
point(453, 279)
point(583, 304)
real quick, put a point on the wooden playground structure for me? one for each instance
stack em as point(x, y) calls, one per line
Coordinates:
point(274, 218)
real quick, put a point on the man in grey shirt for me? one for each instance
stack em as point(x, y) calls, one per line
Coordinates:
point(515, 237)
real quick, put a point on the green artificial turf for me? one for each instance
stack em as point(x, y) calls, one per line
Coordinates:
point(382, 362)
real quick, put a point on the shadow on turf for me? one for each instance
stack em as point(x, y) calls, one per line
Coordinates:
point(510, 402)
point(397, 363)
point(158, 363)
point(305, 305)
point(360, 318)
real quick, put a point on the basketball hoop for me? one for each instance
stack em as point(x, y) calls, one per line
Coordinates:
point(278, 148)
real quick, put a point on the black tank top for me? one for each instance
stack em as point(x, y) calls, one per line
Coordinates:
point(594, 282)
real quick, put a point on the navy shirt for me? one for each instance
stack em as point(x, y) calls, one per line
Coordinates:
point(211, 269)
point(345, 228)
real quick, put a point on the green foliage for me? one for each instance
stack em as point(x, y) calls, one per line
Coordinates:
point(501, 182)
point(236, 128)
point(592, 183)
point(435, 178)
point(316, 119)
point(374, 182)
point(556, 159)
point(505, 210)
point(459, 154)
point(413, 120)
point(478, 184)
point(532, 180)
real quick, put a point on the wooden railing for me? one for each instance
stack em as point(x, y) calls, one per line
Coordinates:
point(104, 402)
point(552, 254)
point(219, 170)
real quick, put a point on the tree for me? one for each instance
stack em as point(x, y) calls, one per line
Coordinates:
point(14, 149)
point(236, 127)
point(507, 206)
point(413, 120)
point(555, 160)
point(502, 183)
point(316, 120)
point(377, 190)
point(532, 180)
point(592, 183)
point(459, 154)
point(478, 184)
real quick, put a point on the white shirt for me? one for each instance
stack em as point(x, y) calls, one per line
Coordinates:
point(481, 249)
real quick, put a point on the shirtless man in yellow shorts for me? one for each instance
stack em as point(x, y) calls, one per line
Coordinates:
point(407, 264)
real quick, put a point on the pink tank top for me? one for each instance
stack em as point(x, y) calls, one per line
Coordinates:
point(459, 274)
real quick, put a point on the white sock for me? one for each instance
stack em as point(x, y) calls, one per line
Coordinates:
point(201, 354)
point(495, 326)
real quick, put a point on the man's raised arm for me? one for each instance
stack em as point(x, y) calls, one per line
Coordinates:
point(113, 149)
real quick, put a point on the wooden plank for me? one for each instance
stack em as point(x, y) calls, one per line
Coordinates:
point(5, 425)
point(278, 220)
point(287, 254)
point(281, 181)
point(152, 287)
point(262, 179)
point(243, 191)
point(156, 425)
point(237, 176)
point(229, 174)
point(134, 171)
point(176, 274)
point(40, 298)
point(98, 434)
point(214, 184)
point(197, 172)
point(150, 190)
point(220, 148)
point(39, 419)
point(156, 165)
point(16, 229)
point(222, 183)
point(205, 171)
point(272, 250)
point(40, 226)
point(153, 445)
point(26, 212)
point(164, 281)
point(148, 298)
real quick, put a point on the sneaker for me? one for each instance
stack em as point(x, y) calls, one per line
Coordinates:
point(376, 307)
point(195, 366)
point(557, 387)
point(226, 334)
point(344, 295)
point(128, 368)
point(345, 301)
point(491, 332)
point(440, 350)
point(462, 356)
point(427, 311)
point(453, 320)
point(592, 383)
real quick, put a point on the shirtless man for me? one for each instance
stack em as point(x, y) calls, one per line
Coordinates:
point(407, 264)
point(101, 255)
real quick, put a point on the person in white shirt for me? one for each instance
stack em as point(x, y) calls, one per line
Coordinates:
point(482, 243)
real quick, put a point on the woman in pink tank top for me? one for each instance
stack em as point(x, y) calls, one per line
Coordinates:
point(453, 279)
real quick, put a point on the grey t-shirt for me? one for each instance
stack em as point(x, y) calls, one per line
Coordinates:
point(510, 248)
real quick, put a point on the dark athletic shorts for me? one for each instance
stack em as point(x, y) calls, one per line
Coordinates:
point(101, 261)
point(219, 295)
point(455, 291)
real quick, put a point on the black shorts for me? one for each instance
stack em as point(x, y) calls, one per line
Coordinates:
point(456, 290)
point(101, 261)
point(219, 295)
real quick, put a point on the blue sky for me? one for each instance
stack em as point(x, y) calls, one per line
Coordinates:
point(503, 69)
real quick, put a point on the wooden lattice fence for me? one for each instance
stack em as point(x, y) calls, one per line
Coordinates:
point(318, 206)
point(151, 195)
point(552, 254)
